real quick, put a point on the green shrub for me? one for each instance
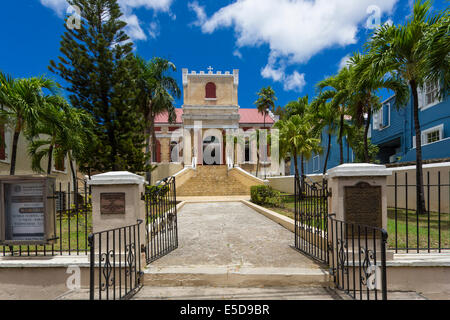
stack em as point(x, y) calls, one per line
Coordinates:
point(265, 195)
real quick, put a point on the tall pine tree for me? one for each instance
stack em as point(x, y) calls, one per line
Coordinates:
point(97, 63)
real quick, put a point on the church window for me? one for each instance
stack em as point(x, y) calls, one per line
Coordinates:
point(210, 90)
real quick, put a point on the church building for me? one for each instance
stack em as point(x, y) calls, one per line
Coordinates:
point(201, 136)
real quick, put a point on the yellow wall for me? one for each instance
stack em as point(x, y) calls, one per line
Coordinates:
point(226, 91)
point(23, 160)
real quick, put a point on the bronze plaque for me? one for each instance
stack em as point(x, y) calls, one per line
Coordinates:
point(112, 203)
point(362, 205)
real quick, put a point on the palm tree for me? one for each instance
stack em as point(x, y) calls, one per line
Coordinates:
point(44, 134)
point(266, 101)
point(336, 90)
point(62, 131)
point(156, 96)
point(417, 52)
point(324, 116)
point(24, 103)
point(297, 137)
point(364, 100)
point(299, 106)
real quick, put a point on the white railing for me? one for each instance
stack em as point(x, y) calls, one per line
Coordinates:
point(230, 163)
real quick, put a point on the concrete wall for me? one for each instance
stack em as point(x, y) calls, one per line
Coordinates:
point(283, 184)
point(23, 160)
point(165, 170)
point(286, 183)
point(433, 170)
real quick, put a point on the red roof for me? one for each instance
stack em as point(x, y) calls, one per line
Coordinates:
point(253, 116)
point(163, 117)
point(247, 116)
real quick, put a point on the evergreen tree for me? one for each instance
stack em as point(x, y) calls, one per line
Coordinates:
point(97, 64)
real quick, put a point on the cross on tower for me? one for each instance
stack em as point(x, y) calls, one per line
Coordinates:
point(210, 69)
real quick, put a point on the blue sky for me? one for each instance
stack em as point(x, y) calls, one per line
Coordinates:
point(287, 44)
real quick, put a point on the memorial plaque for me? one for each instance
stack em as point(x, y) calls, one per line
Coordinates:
point(112, 203)
point(362, 205)
point(27, 214)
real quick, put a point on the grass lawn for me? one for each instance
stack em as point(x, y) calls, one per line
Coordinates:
point(70, 236)
point(411, 229)
point(289, 205)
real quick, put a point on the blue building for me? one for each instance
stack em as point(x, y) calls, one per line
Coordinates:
point(392, 129)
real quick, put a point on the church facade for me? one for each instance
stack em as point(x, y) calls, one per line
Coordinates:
point(212, 129)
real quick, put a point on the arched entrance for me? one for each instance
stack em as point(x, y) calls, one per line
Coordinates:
point(212, 150)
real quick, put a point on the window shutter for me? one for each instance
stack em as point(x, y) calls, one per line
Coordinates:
point(375, 121)
point(420, 97)
point(385, 115)
point(210, 90)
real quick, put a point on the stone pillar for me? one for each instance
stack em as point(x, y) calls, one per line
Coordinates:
point(117, 203)
point(187, 148)
point(359, 198)
point(358, 193)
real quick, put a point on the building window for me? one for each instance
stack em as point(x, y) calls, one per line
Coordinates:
point(316, 163)
point(247, 150)
point(210, 90)
point(382, 118)
point(431, 135)
point(429, 94)
point(60, 164)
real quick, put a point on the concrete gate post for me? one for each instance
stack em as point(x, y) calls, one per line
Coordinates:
point(359, 197)
point(116, 203)
point(358, 193)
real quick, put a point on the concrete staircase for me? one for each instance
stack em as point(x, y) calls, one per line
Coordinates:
point(215, 181)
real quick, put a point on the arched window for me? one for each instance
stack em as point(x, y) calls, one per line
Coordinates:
point(210, 90)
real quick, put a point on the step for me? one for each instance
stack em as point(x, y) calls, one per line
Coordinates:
point(234, 276)
point(232, 293)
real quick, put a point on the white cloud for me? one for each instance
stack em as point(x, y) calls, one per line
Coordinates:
point(344, 62)
point(295, 81)
point(153, 30)
point(294, 30)
point(237, 54)
point(59, 6)
point(200, 13)
point(134, 28)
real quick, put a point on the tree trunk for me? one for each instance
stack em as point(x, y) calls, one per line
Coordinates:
point(149, 141)
point(17, 130)
point(328, 154)
point(148, 162)
point(50, 156)
point(74, 174)
point(296, 166)
point(341, 133)
point(366, 134)
point(302, 165)
point(420, 199)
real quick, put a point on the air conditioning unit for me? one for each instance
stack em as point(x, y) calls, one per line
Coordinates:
point(393, 158)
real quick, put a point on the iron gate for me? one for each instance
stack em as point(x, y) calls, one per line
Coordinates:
point(161, 219)
point(311, 218)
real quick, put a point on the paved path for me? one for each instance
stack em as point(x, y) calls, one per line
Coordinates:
point(232, 234)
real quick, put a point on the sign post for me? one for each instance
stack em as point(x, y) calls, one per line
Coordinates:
point(27, 210)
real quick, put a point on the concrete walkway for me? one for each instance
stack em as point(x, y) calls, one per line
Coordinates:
point(227, 244)
point(231, 234)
